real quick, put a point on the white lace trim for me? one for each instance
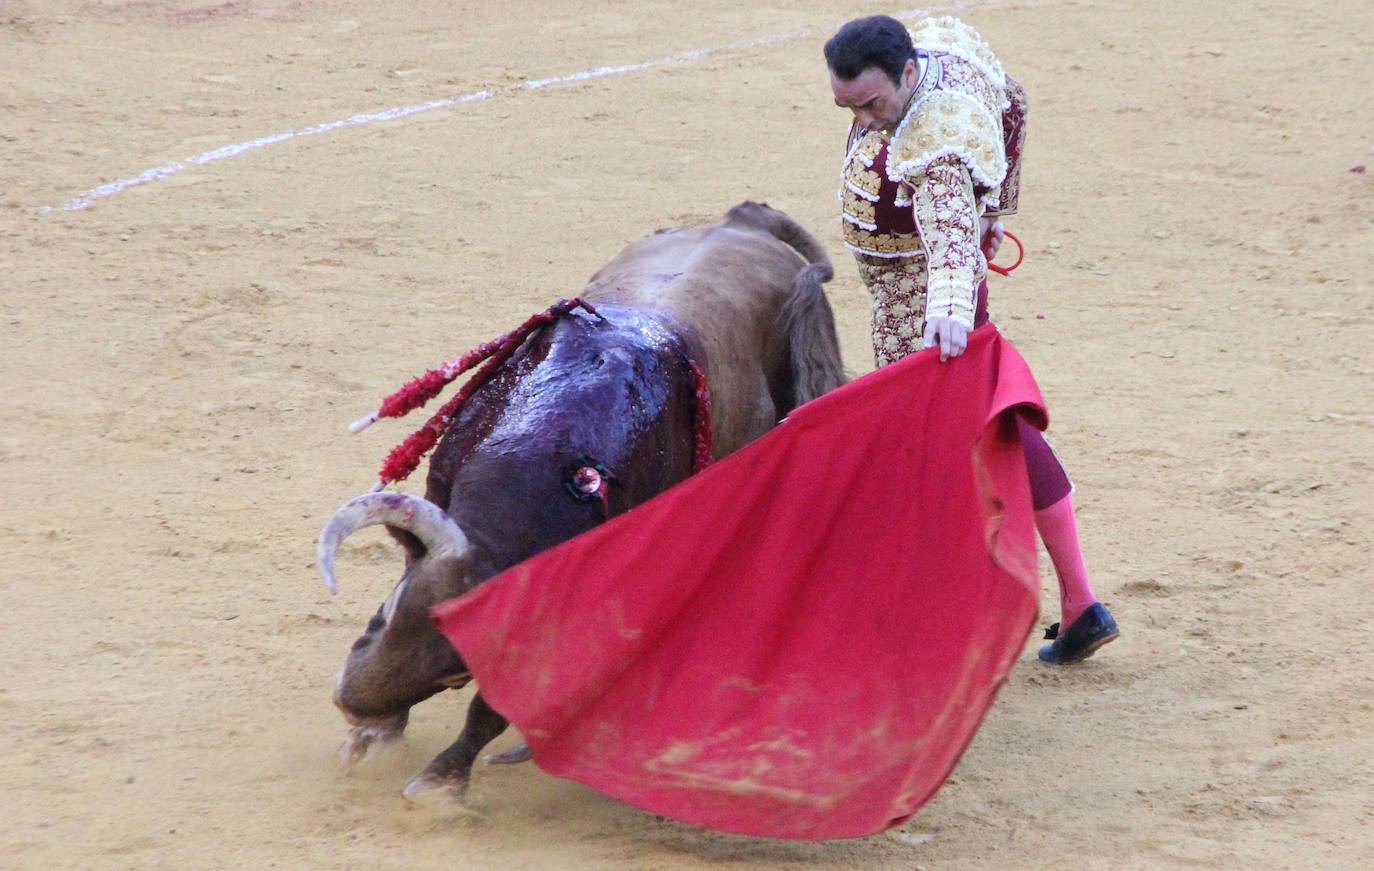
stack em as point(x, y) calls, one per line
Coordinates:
point(919, 166)
point(997, 77)
point(962, 153)
point(994, 123)
point(947, 297)
point(952, 293)
point(848, 155)
point(872, 198)
point(856, 222)
point(995, 73)
point(844, 167)
point(911, 110)
point(884, 255)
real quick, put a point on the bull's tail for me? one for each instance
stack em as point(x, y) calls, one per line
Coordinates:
point(812, 344)
point(805, 319)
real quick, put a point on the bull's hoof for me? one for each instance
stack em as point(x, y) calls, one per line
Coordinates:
point(367, 742)
point(439, 793)
point(514, 756)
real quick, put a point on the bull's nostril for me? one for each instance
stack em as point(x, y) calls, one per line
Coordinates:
point(376, 623)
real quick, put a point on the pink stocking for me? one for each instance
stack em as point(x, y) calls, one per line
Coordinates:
point(1060, 534)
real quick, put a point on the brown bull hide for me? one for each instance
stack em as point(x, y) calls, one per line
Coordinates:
point(616, 393)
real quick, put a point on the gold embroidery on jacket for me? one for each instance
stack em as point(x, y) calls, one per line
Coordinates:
point(860, 209)
point(857, 170)
point(880, 244)
point(950, 35)
point(949, 123)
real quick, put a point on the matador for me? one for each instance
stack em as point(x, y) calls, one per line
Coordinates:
point(933, 161)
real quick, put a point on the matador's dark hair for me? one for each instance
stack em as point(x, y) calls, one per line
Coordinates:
point(878, 41)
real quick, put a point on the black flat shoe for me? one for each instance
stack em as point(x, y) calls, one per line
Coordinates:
point(1093, 628)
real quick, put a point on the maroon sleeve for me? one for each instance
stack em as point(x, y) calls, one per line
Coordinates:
point(1014, 135)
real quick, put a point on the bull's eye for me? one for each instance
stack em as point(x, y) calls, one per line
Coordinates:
point(588, 480)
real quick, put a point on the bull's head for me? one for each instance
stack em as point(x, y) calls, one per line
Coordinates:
point(596, 423)
point(400, 659)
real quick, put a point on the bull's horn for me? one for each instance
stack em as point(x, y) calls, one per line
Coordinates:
point(438, 532)
point(364, 422)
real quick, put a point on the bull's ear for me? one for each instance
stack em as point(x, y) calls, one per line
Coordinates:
point(415, 549)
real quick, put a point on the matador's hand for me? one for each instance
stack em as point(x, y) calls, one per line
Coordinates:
point(951, 335)
point(992, 233)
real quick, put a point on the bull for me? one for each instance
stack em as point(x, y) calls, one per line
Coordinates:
point(618, 393)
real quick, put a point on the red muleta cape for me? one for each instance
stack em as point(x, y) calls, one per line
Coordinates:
point(800, 641)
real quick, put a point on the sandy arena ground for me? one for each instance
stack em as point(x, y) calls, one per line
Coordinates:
point(180, 361)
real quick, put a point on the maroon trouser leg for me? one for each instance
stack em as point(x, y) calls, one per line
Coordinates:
point(1048, 481)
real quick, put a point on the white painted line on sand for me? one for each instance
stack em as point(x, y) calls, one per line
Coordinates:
point(109, 189)
point(159, 172)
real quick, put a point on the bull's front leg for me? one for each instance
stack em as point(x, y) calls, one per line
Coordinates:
point(445, 779)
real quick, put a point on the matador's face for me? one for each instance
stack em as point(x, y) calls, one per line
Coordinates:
point(876, 102)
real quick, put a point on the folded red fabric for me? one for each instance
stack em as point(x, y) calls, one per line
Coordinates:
point(800, 641)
